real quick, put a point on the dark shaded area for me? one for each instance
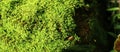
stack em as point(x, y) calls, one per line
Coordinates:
point(0, 17)
point(80, 48)
point(40, 12)
point(97, 35)
point(81, 19)
point(15, 3)
point(104, 18)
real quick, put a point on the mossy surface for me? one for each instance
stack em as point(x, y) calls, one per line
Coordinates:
point(36, 25)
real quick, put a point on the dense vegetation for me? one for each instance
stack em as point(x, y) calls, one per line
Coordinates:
point(36, 25)
point(58, 26)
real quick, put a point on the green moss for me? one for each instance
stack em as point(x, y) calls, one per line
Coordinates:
point(36, 25)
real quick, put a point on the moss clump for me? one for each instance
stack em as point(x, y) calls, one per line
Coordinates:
point(36, 25)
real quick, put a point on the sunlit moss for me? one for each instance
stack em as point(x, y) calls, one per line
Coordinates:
point(36, 25)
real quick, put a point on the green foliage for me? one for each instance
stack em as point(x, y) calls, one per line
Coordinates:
point(36, 25)
point(113, 9)
point(115, 15)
